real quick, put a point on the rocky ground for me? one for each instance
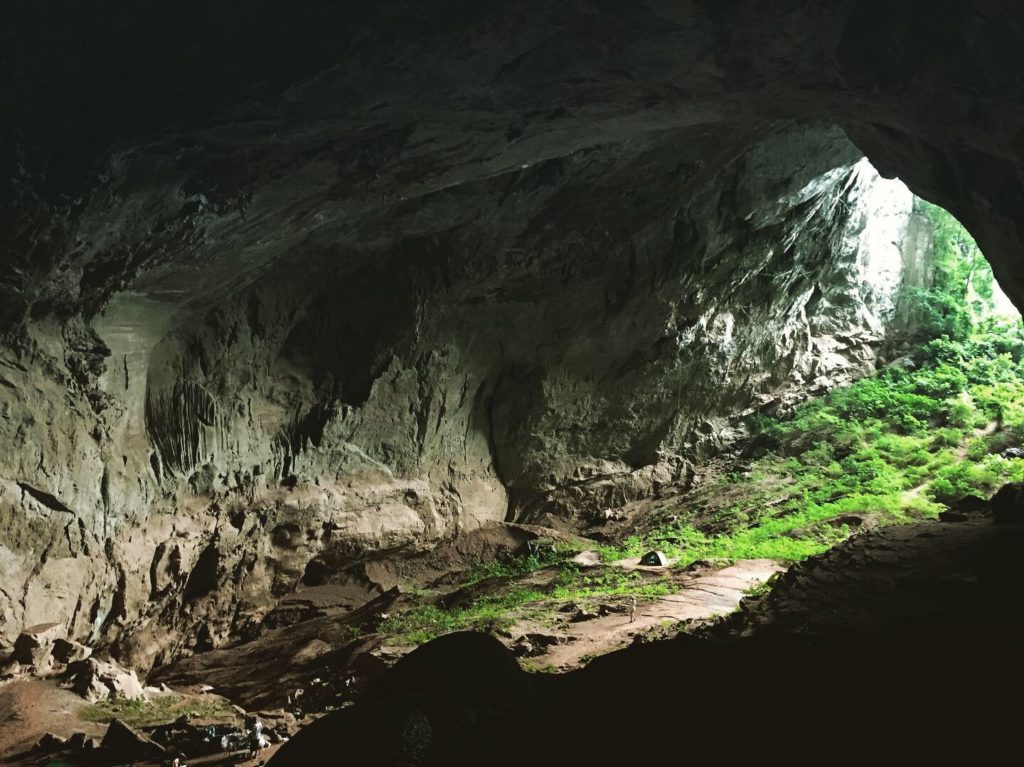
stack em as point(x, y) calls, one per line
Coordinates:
point(321, 645)
point(889, 641)
point(30, 708)
point(321, 656)
point(703, 593)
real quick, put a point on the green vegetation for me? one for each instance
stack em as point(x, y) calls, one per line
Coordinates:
point(889, 449)
point(892, 447)
point(489, 613)
point(499, 611)
point(160, 710)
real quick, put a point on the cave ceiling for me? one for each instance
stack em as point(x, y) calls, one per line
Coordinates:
point(156, 146)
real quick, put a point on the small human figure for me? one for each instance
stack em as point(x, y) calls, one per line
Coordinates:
point(256, 740)
point(632, 609)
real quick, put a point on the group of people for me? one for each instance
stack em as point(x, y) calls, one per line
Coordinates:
point(252, 737)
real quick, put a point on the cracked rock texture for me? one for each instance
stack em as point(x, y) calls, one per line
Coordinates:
point(295, 296)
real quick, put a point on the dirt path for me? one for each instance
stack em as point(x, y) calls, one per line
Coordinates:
point(703, 594)
point(986, 431)
point(961, 453)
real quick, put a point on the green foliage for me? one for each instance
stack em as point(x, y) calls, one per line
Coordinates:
point(428, 621)
point(962, 293)
point(516, 567)
point(160, 710)
point(893, 446)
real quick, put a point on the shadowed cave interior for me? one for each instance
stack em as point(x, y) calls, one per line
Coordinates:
point(441, 383)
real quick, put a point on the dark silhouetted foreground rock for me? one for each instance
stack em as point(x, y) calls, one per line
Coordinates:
point(1008, 504)
point(122, 743)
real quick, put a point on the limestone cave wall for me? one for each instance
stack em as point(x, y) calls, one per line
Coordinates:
point(574, 339)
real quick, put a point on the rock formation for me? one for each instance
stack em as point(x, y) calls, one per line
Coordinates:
point(291, 431)
point(292, 296)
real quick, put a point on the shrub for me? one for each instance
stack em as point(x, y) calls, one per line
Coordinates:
point(958, 413)
point(947, 438)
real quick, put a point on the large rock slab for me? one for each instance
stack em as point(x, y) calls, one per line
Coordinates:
point(34, 646)
point(97, 680)
point(122, 743)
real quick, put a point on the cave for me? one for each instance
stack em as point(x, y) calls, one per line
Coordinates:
point(353, 356)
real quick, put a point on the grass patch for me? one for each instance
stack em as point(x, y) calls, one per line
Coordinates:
point(895, 446)
point(490, 613)
point(160, 710)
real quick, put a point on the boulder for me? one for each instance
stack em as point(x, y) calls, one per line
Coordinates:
point(68, 651)
point(1008, 504)
point(904, 363)
point(366, 664)
point(97, 680)
point(971, 504)
point(1013, 452)
point(82, 742)
point(654, 559)
point(532, 645)
point(50, 742)
point(78, 741)
point(34, 645)
point(122, 743)
point(281, 723)
point(961, 510)
point(587, 559)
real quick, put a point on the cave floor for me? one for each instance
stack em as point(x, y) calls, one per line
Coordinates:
point(911, 627)
point(30, 708)
point(883, 578)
